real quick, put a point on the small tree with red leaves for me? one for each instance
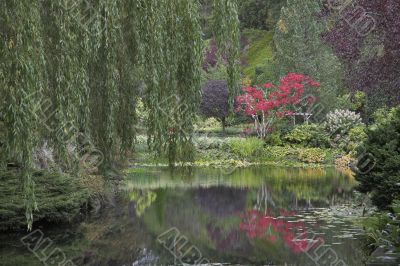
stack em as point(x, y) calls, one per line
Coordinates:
point(268, 103)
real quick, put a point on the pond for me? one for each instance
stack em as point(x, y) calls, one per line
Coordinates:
point(252, 216)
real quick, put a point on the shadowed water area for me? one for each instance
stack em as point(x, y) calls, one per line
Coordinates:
point(253, 216)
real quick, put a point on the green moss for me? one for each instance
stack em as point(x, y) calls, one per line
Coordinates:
point(59, 199)
point(260, 51)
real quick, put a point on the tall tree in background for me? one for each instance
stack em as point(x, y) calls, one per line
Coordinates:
point(227, 36)
point(260, 14)
point(365, 36)
point(299, 48)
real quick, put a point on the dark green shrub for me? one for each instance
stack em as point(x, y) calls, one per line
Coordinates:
point(260, 14)
point(383, 144)
point(274, 139)
point(59, 198)
point(383, 229)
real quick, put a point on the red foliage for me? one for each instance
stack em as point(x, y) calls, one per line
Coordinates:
point(270, 101)
point(274, 98)
point(293, 234)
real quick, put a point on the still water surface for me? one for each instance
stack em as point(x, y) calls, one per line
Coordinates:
point(253, 216)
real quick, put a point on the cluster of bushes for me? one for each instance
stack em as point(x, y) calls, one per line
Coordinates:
point(342, 129)
point(256, 150)
point(383, 142)
point(308, 136)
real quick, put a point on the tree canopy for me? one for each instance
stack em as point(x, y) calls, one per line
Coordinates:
point(70, 72)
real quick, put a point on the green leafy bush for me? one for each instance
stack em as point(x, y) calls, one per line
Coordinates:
point(279, 153)
point(245, 148)
point(308, 136)
point(312, 155)
point(357, 136)
point(383, 229)
point(274, 139)
point(381, 177)
point(207, 143)
point(208, 123)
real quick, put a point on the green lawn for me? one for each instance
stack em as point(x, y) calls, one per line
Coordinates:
point(259, 52)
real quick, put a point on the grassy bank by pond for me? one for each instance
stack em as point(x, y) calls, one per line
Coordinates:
point(241, 152)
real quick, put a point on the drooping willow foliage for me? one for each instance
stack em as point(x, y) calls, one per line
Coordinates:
point(172, 96)
point(71, 71)
point(21, 76)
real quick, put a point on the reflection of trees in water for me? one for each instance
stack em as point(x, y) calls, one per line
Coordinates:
point(300, 196)
point(142, 200)
point(233, 240)
point(264, 199)
point(267, 200)
point(221, 201)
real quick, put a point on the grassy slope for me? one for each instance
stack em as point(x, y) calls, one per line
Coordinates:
point(259, 52)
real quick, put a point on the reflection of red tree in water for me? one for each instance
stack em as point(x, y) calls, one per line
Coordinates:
point(294, 233)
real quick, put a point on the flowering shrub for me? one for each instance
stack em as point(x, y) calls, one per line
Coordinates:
point(342, 121)
point(344, 163)
point(267, 103)
point(339, 124)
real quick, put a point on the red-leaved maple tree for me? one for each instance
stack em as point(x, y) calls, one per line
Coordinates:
point(267, 103)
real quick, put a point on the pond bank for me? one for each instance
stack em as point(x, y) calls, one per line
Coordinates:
point(61, 198)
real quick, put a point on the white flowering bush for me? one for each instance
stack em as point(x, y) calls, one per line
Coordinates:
point(340, 125)
point(340, 122)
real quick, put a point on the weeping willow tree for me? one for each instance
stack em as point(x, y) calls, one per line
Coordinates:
point(22, 75)
point(172, 73)
point(70, 73)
